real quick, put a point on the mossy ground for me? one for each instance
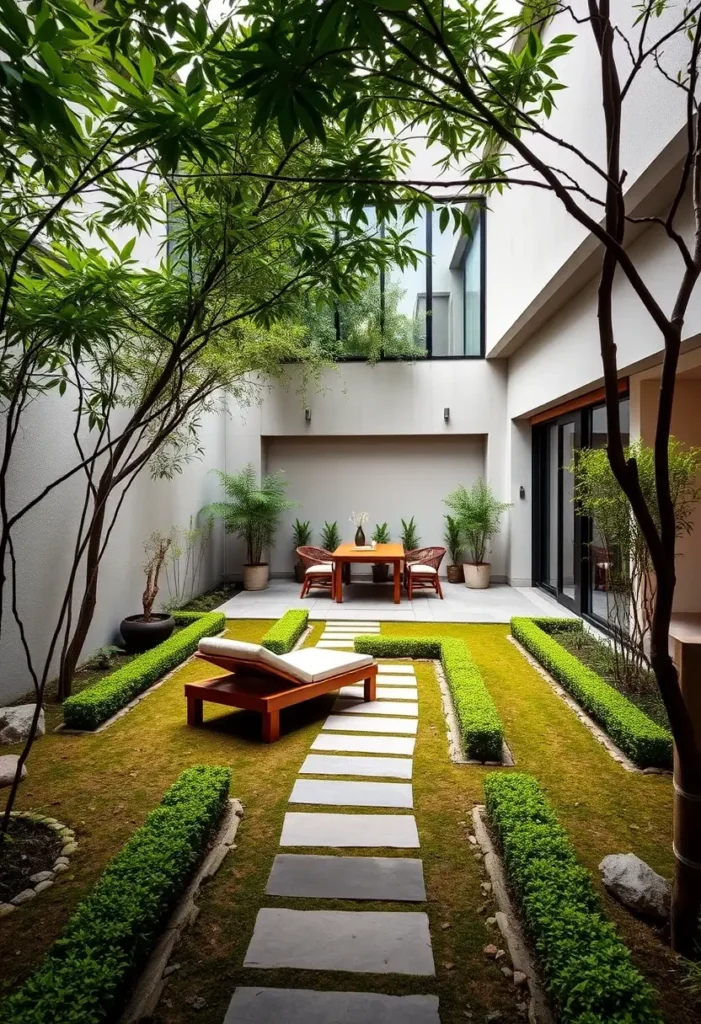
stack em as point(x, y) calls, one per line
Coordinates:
point(104, 785)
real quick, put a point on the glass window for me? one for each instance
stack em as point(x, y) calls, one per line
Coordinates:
point(472, 297)
point(405, 288)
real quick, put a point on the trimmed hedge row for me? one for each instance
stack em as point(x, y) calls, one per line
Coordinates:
point(645, 742)
point(85, 710)
point(284, 634)
point(480, 725)
point(586, 967)
point(87, 974)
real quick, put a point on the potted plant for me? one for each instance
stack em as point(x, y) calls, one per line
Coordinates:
point(408, 536)
point(301, 535)
point(252, 512)
point(380, 570)
point(453, 542)
point(148, 629)
point(478, 515)
point(330, 537)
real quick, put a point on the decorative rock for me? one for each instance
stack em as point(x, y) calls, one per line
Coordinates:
point(8, 769)
point(506, 971)
point(472, 841)
point(520, 978)
point(23, 897)
point(490, 922)
point(43, 885)
point(15, 723)
point(6, 909)
point(171, 969)
point(490, 951)
point(60, 868)
point(500, 954)
point(41, 876)
point(69, 848)
point(636, 885)
point(494, 1017)
point(61, 862)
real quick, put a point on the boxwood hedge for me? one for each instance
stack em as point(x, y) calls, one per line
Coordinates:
point(645, 742)
point(85, 710)
point(586, 967)
point(86, 976)
point(480, 725)
point(284, 634)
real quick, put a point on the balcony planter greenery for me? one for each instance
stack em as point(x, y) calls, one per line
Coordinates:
point(301, 537)
point(149, 629)
point(478, 517)
point(380, 570)
point(252, 513)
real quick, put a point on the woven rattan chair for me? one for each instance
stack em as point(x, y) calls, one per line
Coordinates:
point(421, 570)
point(318, 569)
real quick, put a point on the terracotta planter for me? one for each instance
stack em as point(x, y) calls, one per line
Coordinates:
point(380, 572)
point(455, 574)
point(139, 635)
point(477, 575)
point(255, 577)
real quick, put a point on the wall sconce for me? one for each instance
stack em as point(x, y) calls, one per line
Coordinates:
point(446, 414)
point(308, 415)
point(522, 493)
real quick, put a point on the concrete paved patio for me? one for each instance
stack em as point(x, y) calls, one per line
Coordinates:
point(363, 601)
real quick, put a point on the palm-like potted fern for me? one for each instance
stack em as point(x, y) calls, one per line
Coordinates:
point(380, 570)
point(301, 535)
point(453, 542)
point(409, 535)
point(330, 537)
point(478, 515)
point(252, 512)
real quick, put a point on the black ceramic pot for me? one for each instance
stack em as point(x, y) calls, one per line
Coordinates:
point(380, 572)
point(139, 635)
point(359, 538)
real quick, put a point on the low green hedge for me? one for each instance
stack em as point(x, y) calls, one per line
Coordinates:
point(87, 974)
point(85, 710)
point(645, 742)
point(586, 967)
point(480, 725)
point(282, 636)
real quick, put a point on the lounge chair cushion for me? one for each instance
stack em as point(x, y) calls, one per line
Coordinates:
point(421, 569)
point(310, 665)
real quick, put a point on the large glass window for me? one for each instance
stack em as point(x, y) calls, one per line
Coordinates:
point(472, 296)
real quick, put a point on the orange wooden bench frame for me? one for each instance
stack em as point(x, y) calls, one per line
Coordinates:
point(258, 688)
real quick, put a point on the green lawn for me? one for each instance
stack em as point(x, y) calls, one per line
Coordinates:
point(104, 785)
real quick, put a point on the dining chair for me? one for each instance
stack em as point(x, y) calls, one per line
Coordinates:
point(421, 570)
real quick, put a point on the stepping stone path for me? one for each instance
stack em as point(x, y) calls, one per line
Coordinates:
point(373, 741)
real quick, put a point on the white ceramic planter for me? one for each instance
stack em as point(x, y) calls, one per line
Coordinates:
point(477, 576)
point(255, 577)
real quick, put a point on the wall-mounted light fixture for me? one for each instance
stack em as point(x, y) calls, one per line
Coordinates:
point(522, 493)
point(308, 415)
point(446, 414)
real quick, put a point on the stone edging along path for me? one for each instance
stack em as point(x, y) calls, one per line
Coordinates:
point(43, 880)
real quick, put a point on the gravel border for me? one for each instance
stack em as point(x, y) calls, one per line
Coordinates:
point(43, 880)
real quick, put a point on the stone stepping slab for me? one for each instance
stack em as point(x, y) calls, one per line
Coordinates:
point(342, 940)
point(387, 680)
point(365, 623)
point(380, 767)
point(376, 707)
point(366, 831)
point(359, 723)
point(365, 744)
point(334, 793)
point(347, 878)
point(383, 692)
point(335, 643)
point(302, 1006)
point(397, 670)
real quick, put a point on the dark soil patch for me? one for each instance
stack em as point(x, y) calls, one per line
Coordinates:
point(597, 655)
point(29, 848)
point(211, 599)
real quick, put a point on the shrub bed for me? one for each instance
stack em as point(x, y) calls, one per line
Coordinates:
point(586, 967)
point(86, 976)
point(645, 742)
point(90, 707)
point(284, 634)
point(480, 725)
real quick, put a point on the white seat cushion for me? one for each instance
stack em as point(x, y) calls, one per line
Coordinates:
point(312, 664)
point(325, 568)
point(424, 570)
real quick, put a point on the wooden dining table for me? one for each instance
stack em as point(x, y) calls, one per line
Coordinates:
point(392, 554)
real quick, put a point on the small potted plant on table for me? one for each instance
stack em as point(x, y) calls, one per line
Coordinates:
point(453, 542)
point(380, 570)
point(301, 536)
point(478, 515)
point(148, 629)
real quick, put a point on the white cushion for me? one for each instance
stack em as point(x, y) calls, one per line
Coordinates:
point(425, 570)
point(325, 568)
point(312, 664)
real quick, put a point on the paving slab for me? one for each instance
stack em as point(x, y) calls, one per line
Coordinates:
point(397, 670)
point(341, 793)
point(384, 679)
point(354, 622)
point(335, 643)
point(337, 764)
point(382, 692)
point(342, 940)
point(376, 707)
point(360, 744)
point(347, 878)
point(360, 723)
point(302, 1006)
point(360, 831)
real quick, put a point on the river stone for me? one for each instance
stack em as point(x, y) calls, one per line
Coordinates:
point(41, 876)
point(8, 768)
point(23, 897)
point(15, 723)
point(636, 885)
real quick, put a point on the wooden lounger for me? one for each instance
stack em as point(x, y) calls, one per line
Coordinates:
point(259, 680)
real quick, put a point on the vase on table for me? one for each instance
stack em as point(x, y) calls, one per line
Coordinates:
point(359, 538)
